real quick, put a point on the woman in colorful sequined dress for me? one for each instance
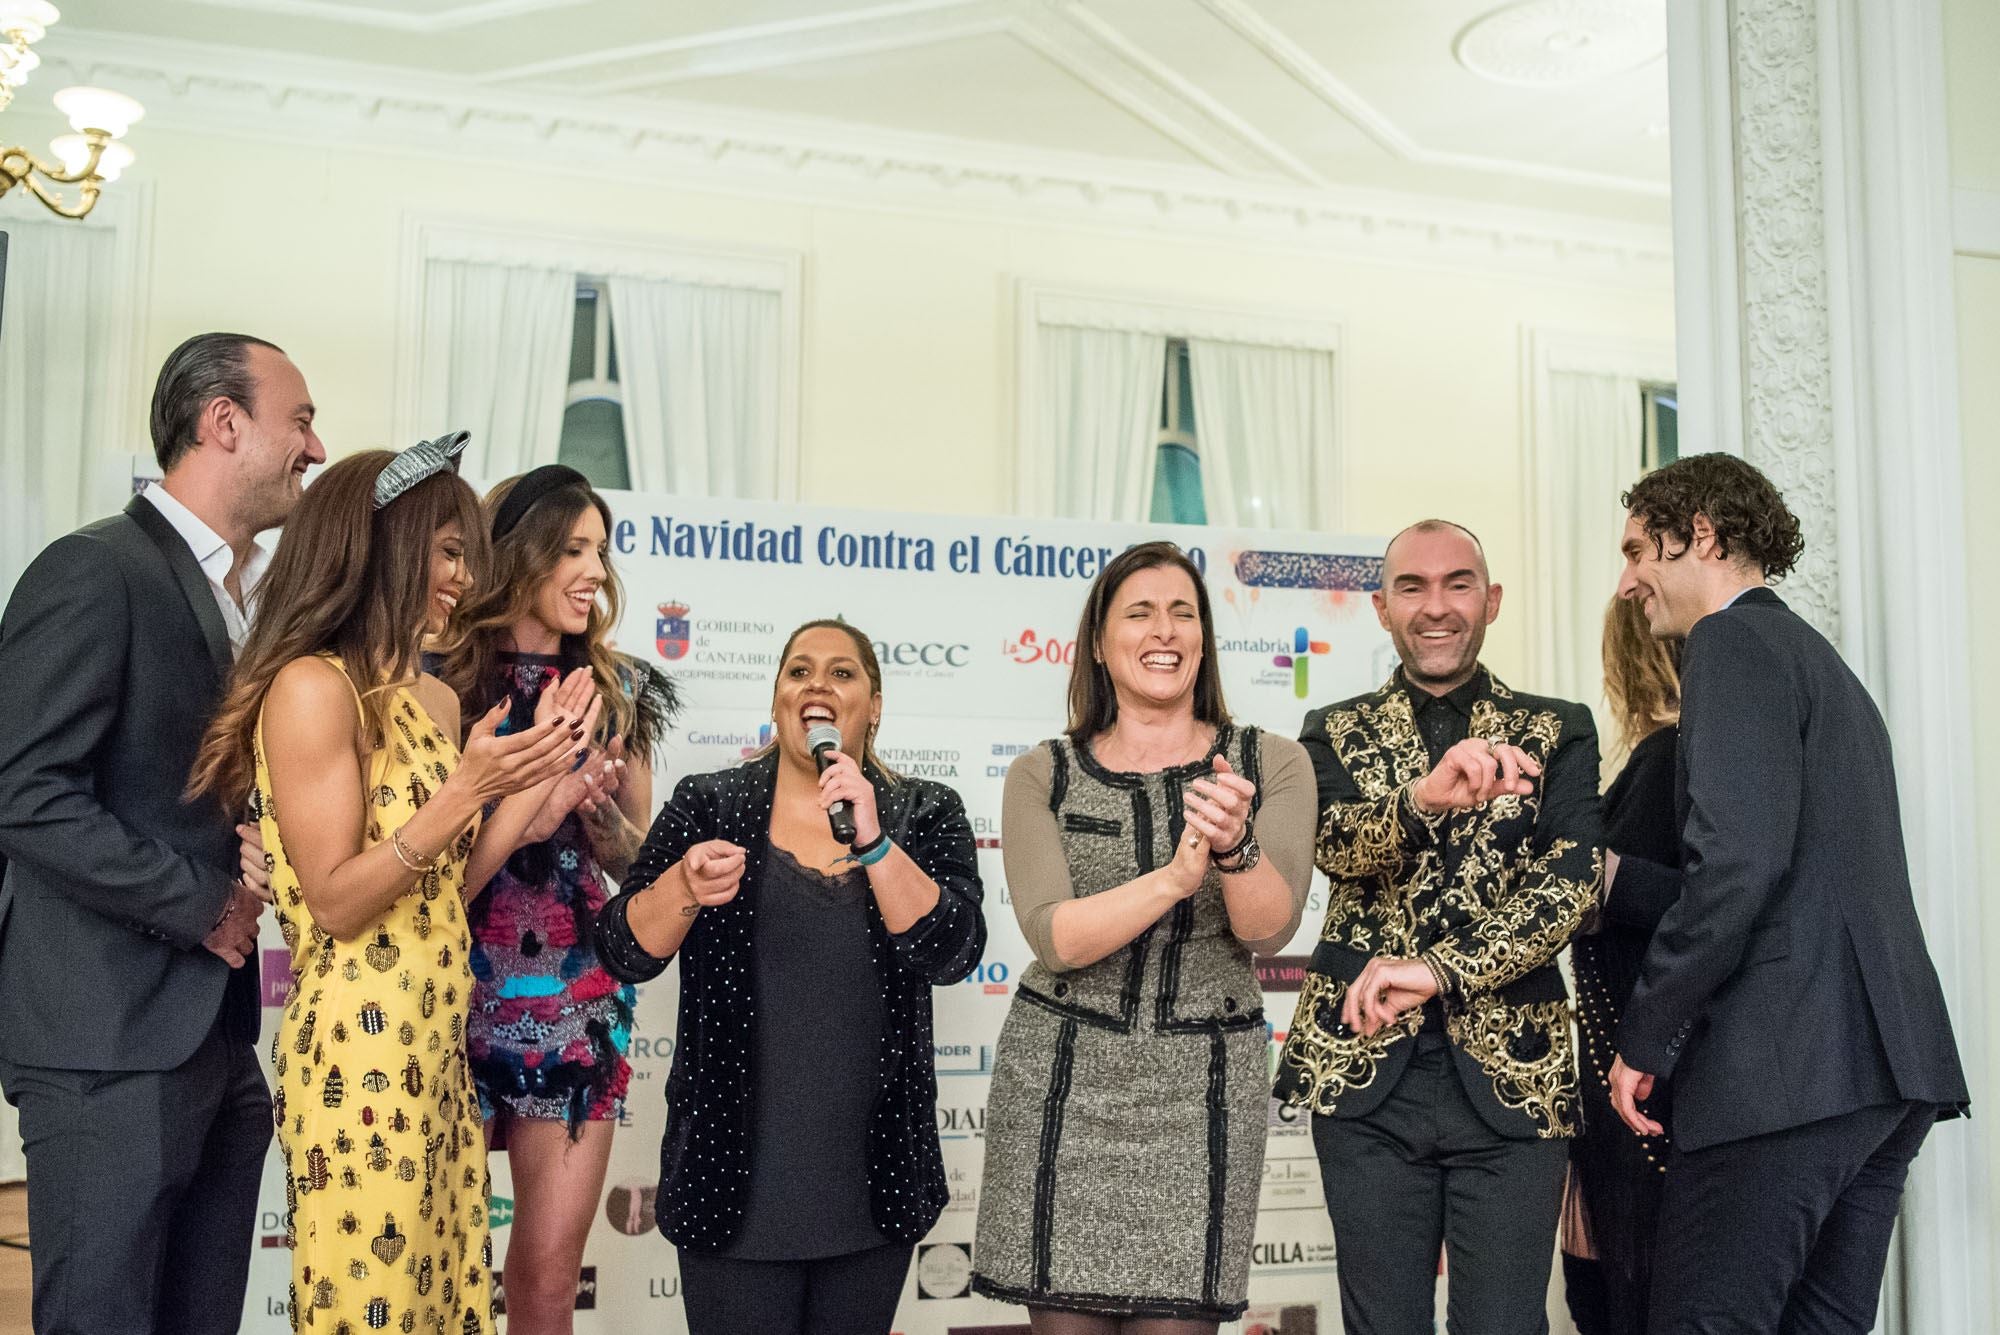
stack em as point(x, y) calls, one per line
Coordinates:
point(371, 811)
point(549, 1027)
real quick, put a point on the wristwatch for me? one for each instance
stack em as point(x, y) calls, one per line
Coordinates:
point(1243, 857)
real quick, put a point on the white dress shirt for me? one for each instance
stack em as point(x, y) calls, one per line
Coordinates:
point(215, 558)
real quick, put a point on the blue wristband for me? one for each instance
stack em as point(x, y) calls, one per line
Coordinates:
point(876, 851)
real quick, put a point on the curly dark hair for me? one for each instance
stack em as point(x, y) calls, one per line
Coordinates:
point(1750, 517)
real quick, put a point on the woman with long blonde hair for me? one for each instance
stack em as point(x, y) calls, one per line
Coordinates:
point(549, 1027)
point(370, 811)
point(1614, 1189)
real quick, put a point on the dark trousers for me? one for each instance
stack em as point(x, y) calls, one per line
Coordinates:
point(854, 1294)
point(142, 1191)
point(1786, 1232)
point(1422, 1172)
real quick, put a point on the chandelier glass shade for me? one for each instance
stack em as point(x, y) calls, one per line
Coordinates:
point(88, 159)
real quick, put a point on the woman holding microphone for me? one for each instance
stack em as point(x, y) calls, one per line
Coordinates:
point(1151, 850)
point(801, 1162)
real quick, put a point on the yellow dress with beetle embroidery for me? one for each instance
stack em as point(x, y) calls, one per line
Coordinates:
point(376, 1114)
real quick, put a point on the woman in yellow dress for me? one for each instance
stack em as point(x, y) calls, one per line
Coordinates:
point(371, 814)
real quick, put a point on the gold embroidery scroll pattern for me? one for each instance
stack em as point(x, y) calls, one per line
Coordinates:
point(1512, 934)
point(1525, 929)
point(1361, 844)
point(1542, 1086)
point(1330, 1065)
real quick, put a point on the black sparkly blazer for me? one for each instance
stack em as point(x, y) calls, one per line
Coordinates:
point(705, 1159)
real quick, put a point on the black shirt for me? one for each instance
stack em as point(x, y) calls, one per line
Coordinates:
point(1443, 720)
point(816, 1070)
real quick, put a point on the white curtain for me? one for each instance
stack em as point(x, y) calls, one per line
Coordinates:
point(1095, 441)
point(60, 466)
point(1265, 419)
point(700, 371)
point(60, 462)
point(495, 362)
point(1591, 437)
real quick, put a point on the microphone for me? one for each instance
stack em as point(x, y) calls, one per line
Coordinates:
point(824, 739)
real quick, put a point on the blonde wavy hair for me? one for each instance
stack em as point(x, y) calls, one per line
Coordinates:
point(1642, 674)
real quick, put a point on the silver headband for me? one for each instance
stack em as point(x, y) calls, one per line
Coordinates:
point(424, 459)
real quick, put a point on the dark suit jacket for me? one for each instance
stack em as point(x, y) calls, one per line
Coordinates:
point(1789, 981)
point(1489, 897)
point(704, 1162)
point(113, 653)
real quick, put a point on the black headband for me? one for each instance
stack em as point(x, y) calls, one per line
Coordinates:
point(534, 484)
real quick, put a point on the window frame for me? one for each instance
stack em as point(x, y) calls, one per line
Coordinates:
point(607, 256)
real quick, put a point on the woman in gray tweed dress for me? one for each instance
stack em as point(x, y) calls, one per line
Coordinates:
point(1149, 851)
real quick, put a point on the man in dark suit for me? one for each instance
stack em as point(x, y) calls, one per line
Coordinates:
point(1459, 832)
point(1788, 991)
point(129, 1004)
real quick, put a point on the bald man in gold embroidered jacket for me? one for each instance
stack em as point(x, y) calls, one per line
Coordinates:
point(1459, 830)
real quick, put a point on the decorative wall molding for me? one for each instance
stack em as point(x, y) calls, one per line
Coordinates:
point(1782, 254)
point(1176, 318)
point(230, 91)
point(1039, 305)
point(602, 255)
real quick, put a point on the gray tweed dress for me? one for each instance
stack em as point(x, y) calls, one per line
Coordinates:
point(1126, 1121)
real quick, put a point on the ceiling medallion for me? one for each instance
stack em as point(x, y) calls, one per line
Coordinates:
point(1549, 43)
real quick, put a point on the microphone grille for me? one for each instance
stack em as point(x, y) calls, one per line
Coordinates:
point(822, 734)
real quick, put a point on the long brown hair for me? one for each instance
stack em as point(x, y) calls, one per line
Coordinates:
point(523, 558)
point(1093, 700)
point(1642, 674)
point(871, 667)
point(347, 579)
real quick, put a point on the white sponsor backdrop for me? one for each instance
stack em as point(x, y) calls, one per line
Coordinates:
point(975, 622)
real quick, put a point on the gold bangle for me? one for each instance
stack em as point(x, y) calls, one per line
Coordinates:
point(408, 856)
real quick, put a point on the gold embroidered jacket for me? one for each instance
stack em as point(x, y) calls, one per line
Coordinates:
point(1488, 897)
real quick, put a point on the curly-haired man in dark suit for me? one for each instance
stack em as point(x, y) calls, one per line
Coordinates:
point(1788, 991)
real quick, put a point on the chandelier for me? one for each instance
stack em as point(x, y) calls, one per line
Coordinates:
point(89, 158)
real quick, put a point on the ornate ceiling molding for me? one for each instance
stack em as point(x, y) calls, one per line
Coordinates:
point(1554, 43)
point(227, 90)
point(1281, 50)
point(897, 26)
point(395, 20)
